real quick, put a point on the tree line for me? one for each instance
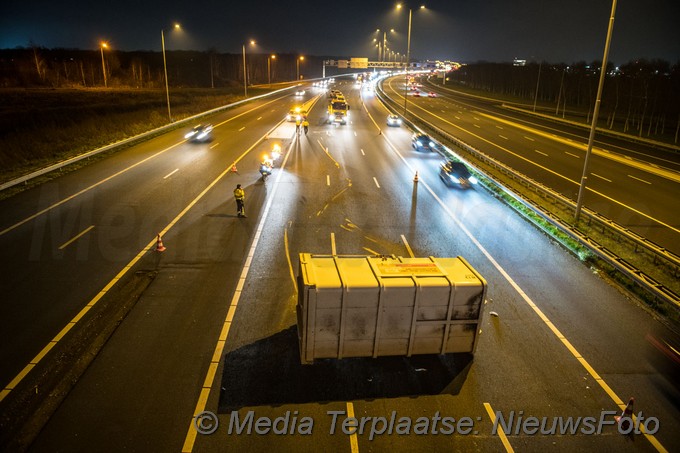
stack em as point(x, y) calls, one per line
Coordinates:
point(62, 68)
point(641, 97)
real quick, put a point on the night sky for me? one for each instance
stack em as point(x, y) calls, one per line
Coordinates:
point(461, 30)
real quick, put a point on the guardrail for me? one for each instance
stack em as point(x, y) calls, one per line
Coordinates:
point(651, 285)
point(131, 140)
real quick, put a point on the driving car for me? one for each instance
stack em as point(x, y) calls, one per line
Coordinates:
point(432, 94)
point(422, 142)
point(295, 114)
point(200, 133)
point(416, 94)
point(393, 120)
point(300, 93)
point(456, 174)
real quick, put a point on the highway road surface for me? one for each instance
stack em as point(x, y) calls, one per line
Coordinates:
point(208, 328)
point(632, 183)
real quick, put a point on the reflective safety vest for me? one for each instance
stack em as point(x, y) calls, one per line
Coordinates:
point(239, 194)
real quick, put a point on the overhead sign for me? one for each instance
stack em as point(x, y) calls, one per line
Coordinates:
point(359, 63)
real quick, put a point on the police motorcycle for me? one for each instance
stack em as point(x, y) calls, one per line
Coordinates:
point(266, 167)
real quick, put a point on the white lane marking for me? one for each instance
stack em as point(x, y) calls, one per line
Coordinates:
point(171, 173)
point(214, 146)
point(642, 180)
point(541, 152)
point(529, 138)
point(408, 247)
point(477, 126)
point(259, 118)
point(328, 180)
point(456, 117)
point(241, 128)
point(67, 243)
point(499, 127)
point(362, 152)
point(572, 155)
point(503, 137)
point(334, 249)
point(601, 177)
point(355, 134)
point(376, 182)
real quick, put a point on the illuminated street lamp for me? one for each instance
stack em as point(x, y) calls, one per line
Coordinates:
point(382, 56)
point(101, 47)
point(408, 53)
point(245, 74)
point(299, 59)
point(165, 69)
point(269, 71)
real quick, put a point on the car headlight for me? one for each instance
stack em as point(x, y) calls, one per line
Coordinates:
point(189, 135)
point(431, 144)
point(473, 180)
point(418, 144)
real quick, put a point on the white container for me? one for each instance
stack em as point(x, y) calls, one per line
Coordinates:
point(371, 306)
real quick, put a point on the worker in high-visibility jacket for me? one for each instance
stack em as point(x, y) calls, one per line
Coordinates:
point(240, 196)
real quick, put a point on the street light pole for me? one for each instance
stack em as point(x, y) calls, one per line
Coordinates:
point(593, 126)
point(101, 47)
point(408, 60)
point(269, 71)
point(165, 70)
point(245, 75)
point(299, 59)
point(245, 72)
point(384, 44)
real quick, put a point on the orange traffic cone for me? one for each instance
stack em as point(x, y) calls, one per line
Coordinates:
point(233, 168)
point(159, 244)
point(415, 179)
point(625, 419)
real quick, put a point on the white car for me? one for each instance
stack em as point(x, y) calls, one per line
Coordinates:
point(300, 93)
point(393, 120)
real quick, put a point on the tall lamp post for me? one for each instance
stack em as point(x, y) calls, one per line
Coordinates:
point(596, 111)
point(269, 70)
point(299, 59)
point(165, 69)
point(101, 47)
point(408, 54)
point(245, 72)
point(383, 55)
